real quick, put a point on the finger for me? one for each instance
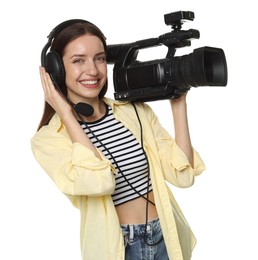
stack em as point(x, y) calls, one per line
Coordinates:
point(43, 79)
point(47, 83)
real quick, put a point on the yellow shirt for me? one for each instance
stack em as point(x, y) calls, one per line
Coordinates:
point(89, 182)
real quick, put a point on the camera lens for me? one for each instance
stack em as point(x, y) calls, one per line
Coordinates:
point(206, 66)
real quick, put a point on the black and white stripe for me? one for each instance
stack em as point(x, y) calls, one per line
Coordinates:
point(126, 154)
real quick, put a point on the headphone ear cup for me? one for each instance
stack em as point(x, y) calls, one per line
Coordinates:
point(55, 68)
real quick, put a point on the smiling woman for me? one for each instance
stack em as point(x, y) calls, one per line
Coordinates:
point(113, 163)
point(85, 63)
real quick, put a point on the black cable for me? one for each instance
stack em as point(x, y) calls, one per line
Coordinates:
point(148, 168)
point(114, 160)
point(147, 200)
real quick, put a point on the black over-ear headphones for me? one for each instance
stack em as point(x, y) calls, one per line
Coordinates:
point(53, 64)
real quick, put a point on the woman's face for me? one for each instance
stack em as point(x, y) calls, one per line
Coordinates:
point(86, 69)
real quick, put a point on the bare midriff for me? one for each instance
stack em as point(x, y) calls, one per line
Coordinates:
point(134, 211)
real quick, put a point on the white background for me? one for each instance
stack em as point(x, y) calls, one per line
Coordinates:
point(37, 221)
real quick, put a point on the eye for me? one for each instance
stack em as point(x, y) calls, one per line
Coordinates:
point(78, 60)
point(101, 58)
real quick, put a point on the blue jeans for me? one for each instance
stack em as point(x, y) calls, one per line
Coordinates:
point(135, 240)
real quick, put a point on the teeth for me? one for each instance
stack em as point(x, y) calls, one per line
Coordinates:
point(90, 82)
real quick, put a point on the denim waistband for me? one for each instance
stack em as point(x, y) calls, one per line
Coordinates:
point(139, 229)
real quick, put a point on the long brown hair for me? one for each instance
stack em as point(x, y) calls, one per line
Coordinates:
point(58, 45)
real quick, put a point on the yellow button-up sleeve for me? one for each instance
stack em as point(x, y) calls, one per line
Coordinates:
point(175, 164)
point(74, 168)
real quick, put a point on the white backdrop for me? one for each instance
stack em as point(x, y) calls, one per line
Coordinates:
point(37, 221)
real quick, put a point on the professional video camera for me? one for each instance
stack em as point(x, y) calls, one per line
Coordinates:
point(172, 76)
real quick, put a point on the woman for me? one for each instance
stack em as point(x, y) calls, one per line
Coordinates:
point(112, 164)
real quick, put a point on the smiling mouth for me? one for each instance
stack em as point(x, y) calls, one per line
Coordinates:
point(89, 83)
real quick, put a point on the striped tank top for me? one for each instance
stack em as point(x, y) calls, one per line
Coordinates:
point(119, 146)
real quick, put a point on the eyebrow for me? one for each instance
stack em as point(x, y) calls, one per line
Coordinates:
point(77, 56)
point(83, 55)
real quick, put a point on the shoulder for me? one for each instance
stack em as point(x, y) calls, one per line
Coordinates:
point(54, 124)
point(127, 105)
point(52, 131)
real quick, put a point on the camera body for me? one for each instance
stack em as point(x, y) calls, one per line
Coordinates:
point(172, 76)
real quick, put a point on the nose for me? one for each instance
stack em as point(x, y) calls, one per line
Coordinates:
point(91, 68)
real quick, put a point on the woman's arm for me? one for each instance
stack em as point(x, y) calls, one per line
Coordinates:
point(182, 134)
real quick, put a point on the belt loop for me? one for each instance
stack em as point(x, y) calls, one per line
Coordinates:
point(148, 228)
point(131, 233)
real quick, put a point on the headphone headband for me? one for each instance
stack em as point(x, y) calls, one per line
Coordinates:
point(54, 33)
point(63, 25)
